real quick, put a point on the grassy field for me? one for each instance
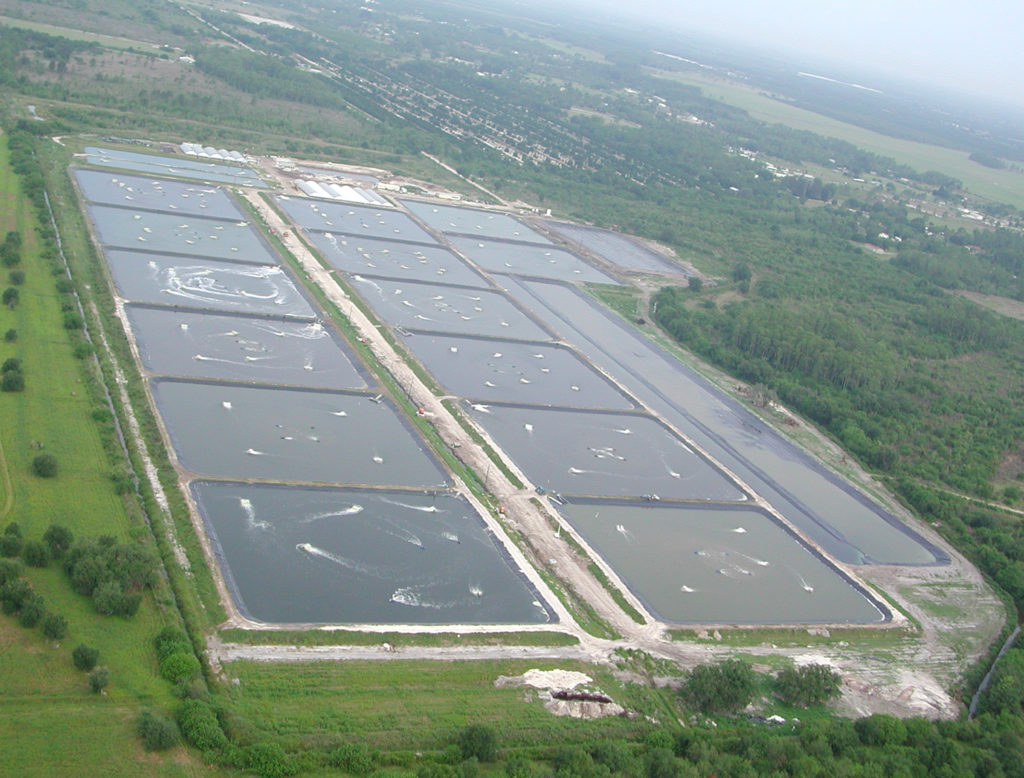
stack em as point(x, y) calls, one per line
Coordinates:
point(396, 705)
point(107, 41)
point(39, 687)
point(999, 185)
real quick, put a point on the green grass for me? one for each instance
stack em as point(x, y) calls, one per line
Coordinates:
point(1000, 185)
point(107, 41)
point(395, 705)
point(322, 637)
point(38, 684)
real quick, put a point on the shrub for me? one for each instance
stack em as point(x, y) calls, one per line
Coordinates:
point(723, 688)
point(179, 667)
point(36, 554)
point(45, 465)
point(11, 365)
point(13, 595)
point(10, 545)
point(12, 382)
point(880, 729)
point(269, 760)
point(10, 570)
point(54, 626)
point(355, 758)
point(171, 640)
point(807, 685)
point(99, 679)
point(478, 741)
point(85, 657)
point(11, 335)
point(58, 539)
point(13, 529)
point(10, 297)
point(17, 277)
point(64, 285)
point(72, 321)
point(157, 731)
point(83, 349)
point(199, 725)
point(32, 610)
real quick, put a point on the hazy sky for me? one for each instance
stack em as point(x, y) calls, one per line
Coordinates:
point(969, 46)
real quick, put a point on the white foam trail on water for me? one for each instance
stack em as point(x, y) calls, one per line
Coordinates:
point(490, 384)
point(406, 537)
point(410, 596)
point(496, 355)
point(451, 536)
point(739, 530)
point(420, 508)
point(183, 326)
point(254, 453)
point(351, 510)
point(528, 427)
point(338, 559)
point(578, 471)
point(624, 431)
point(378, 459)
point(629, 536)
point(755, 560)
point(481, 408)
point(226, 404)
point(524, 380)
point(339, 413)
point(250, 515)
point(686, 589)
point(803, 584)
point(476, 591)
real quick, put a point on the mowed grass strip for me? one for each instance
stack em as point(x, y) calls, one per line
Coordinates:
point(38, 682)
point(410, 705)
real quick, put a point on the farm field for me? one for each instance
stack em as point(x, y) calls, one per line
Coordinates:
point(997, 185)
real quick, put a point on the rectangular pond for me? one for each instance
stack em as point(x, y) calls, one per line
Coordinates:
point(242, 348)
point(355, 220)
point(417, 305)
point(525, 259)
point(236, 431)
point(158, 194)
point(395, 260)
point(616, 248)
point(179, 167)
point(718, 565)
point(492, 370)
point(339, 556)
point(180, 234)
point(198, 283)
point(608, 454)
point(472, 221)
point(847, 524)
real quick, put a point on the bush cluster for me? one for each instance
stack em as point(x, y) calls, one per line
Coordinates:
point(113, 574)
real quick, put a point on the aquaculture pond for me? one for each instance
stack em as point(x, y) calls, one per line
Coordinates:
point(206, 283)
point(340, 556)
point(470, 221)
point(491, 370)
point(173, 233)
point(615, 248)
point(723, 565)
point(846, 523)
point(242, 348)
point(459, 310)
point(599, 453)
point(355, 220)
point(241, 431)
point(179, 167)
point(527, 259)
point(187, 199)
point(391, 259)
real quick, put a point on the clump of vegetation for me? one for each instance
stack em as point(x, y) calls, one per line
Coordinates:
point(11, 541)
point(478, 742)
point(10, 249)
point(45, 465)
point(11, 377)
point(807, 685)
point(726, 687)
point(157, 731)
point(113, 574)
point(11, 335)
point(85, 657)
point(10, 297)
point(99, 679)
